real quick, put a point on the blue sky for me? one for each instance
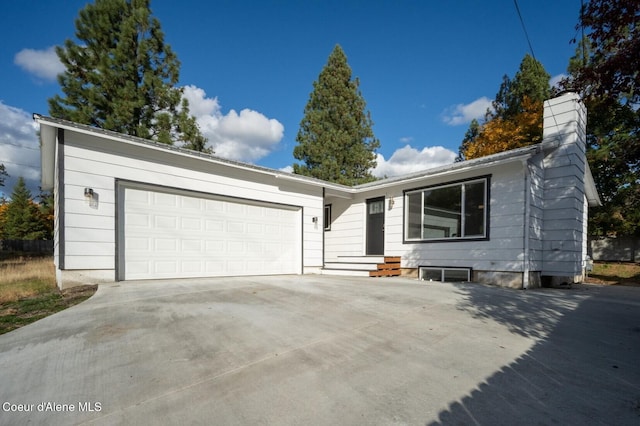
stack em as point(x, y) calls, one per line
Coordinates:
point(426, 68)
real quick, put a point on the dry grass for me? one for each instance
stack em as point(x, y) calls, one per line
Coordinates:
point(28, 292)
point(621, 273)
point(22, 278)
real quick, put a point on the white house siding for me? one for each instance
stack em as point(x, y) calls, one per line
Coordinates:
point(503, 252)
point(93, 162)
point(564, 190)
point(346, 237)
point(536, 174)
point(56, 211)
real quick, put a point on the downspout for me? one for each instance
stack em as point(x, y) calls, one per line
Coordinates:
point(527, 221)
point(324, 202)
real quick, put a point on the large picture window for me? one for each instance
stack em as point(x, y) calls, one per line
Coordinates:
point(452, 211)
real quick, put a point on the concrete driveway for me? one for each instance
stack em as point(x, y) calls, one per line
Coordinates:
point(328, 350)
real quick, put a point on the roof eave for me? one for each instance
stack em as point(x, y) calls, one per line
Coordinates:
point(52, 123)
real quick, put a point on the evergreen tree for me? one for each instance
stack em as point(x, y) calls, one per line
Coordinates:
point(3, 174)
point(530, 82)
point(335, 139)
point(46, 208)
point(121, 76)
point(516, 118)
point(613, 150)
point(469, 138)
point(22, 218)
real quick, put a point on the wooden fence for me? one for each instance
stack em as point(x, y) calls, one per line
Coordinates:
point(27, 246)
point(619, 249)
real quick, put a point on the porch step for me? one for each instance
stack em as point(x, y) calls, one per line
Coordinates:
point(364, 266)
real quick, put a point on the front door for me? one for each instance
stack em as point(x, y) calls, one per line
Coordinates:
point(375, 226)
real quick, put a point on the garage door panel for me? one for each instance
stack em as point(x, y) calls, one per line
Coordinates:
point(165, 200)
point(174, 235)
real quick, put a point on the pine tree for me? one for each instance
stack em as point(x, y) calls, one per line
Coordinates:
point(469, 138)
point(530, 82)
point(122, 76)
point(335, 139)
point(3, 174)
point(22, 218)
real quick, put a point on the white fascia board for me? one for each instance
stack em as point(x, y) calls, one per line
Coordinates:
point(448, 170)
point(47, 156)
point(130, 140)
point(590, 189)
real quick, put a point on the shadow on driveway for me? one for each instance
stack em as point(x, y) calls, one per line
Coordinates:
point(318, 350)
point(585, 368)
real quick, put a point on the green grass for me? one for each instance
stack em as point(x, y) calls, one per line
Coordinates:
point(28, 292)
point(22, 312)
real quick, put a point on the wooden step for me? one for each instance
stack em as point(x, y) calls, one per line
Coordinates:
point(385, 273)
point(350, 265)
point(381, 266)
point(372, 266)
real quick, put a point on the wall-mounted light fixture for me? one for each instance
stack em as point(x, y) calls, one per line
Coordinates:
point(91, 197)
point(391, 202)
point(314, 219)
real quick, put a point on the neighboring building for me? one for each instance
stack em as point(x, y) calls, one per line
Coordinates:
point(127, 208)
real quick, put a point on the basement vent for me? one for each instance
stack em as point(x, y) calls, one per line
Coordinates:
point(434, 273)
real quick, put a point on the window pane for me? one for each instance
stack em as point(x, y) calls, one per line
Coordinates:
point(442, 212)
point(376, 207)
point(431, 274)
point(414, 215)
point(327, 217)
point(456, 275)
point(474, 209)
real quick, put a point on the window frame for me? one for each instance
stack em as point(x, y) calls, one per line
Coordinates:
point(326, 217)
point(487, 214)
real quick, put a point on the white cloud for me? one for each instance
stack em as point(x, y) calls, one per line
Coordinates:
point(553, 82)
point(19, 148)
point(245, 136)
point(44, 64)
point(409, 160)
point(286, 169)
point(464, 113)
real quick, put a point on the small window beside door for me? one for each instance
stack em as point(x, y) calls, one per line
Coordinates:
point(327, 217)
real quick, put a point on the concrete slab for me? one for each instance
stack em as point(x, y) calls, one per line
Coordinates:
point(328, 350)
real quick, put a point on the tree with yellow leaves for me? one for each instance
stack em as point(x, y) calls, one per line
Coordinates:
point(502, 134)
point(515, 119)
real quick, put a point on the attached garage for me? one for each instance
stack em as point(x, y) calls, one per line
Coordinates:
point(169, 233)
point(132, 209)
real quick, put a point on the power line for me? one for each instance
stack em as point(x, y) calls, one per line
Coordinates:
point(20, 146)
point(19, 164)
point(524, 28)
point(526, 34)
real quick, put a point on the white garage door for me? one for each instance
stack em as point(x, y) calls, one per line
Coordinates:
point(171, 235)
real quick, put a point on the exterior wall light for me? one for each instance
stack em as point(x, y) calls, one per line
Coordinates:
point(91, 197)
